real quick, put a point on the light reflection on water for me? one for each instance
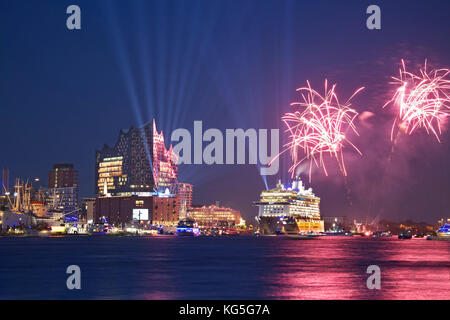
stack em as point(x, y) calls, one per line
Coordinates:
point(224, 268)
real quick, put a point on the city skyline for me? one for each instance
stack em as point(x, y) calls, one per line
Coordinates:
point(136, 80)
point(223, 154)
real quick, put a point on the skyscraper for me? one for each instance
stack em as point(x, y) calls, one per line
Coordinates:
point(138, 164)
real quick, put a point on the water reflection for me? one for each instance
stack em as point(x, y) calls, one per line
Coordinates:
point(224, 268)
point(335, 268)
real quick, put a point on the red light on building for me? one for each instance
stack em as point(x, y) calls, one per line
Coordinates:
point(165, 170)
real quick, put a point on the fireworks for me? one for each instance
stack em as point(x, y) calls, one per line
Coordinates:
point(320, 128)
point(423, 100)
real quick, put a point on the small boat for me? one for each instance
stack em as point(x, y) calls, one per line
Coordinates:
point(187, 227)
point(405, 235)
point(381, 234)
point(98, 229)
point(444, 231)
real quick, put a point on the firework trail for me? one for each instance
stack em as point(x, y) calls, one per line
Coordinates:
point(319, 129)
point(423, 100)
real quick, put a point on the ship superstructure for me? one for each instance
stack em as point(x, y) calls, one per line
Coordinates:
point(289, 210)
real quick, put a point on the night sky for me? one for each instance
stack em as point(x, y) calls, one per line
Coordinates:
point(231, 64)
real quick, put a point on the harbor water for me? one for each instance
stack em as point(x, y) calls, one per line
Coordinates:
point(241, 267)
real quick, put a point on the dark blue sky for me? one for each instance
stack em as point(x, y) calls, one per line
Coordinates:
point(231, 64)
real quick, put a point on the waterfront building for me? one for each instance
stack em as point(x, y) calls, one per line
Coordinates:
point(184, 198)
point(289, 210)
point(136, 180)
point(156, 210)
point(165, 211)
point(62, 199)
point(88, 208)
point(214, 216)
point(62, 192)
point(138, 164)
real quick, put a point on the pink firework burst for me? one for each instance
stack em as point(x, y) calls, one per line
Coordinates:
point(319, 128)
point(423, 100)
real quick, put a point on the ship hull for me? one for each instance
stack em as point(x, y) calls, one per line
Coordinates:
point(12, 219)
point(270, 225)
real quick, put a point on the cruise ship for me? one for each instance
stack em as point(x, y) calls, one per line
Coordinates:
point(292, 210)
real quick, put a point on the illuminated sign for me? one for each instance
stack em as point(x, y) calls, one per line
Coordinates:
point(140, 214)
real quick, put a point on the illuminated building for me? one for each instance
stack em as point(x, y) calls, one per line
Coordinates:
point(165, 211)
point(88, 208)
point(63, 175)
point(136, 210)
point(62, 199)
point(289, 210)
point(62, 192)
point(184, 198)
point(137, 180)
point(165, 170)
point(138, 164)
point(214, 216)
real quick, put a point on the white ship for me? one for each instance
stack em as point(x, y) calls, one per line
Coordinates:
point(293, 210)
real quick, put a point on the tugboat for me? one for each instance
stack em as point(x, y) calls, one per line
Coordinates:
point(187, 227)
point(381, 234)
